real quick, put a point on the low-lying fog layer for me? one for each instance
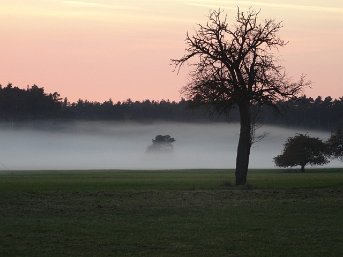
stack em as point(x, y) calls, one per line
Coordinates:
point(108, 145)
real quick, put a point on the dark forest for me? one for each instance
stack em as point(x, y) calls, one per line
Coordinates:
point(33, 103)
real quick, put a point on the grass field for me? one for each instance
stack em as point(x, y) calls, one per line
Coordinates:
point(171, 213)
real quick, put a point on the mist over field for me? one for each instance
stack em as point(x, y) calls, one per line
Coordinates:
point(110, 145)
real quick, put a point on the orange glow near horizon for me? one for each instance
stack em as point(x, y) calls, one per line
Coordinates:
point(119, 49)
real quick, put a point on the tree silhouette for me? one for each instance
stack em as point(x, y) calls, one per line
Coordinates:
point(161, 144)
point(236, 66)
point(302, 150)
point(335, 144)
point(32, 103)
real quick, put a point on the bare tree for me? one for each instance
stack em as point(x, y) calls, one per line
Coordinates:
point(236, 65)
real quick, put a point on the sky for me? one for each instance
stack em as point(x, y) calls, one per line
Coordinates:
point(120, 49)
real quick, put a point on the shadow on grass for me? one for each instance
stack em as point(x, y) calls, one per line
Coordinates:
point(230, 185)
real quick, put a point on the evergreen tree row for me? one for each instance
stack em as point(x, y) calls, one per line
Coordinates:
point(33, 103)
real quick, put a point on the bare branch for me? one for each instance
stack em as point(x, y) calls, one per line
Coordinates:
point(237, 62)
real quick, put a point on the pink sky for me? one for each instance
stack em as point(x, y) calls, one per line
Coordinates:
point(119, 49)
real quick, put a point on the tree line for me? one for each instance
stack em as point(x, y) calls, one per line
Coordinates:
point(33, 103)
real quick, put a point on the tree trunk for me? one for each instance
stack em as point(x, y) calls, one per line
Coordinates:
point(244, 143)
point(302, 168)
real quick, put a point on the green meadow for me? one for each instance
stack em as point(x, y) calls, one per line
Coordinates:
point(171, 213)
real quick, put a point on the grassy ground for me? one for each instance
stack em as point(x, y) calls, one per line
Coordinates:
point(171, 213)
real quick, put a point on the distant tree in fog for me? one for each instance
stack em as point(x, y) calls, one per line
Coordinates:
point(235, 65)
point(335, 144)
point(302, 150)
point(161, 144)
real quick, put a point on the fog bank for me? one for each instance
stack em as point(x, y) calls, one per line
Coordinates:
point(110, 145)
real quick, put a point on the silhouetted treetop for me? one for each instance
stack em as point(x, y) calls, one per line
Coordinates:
point(159, 139)
point(31, 103)
point(236, 63)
